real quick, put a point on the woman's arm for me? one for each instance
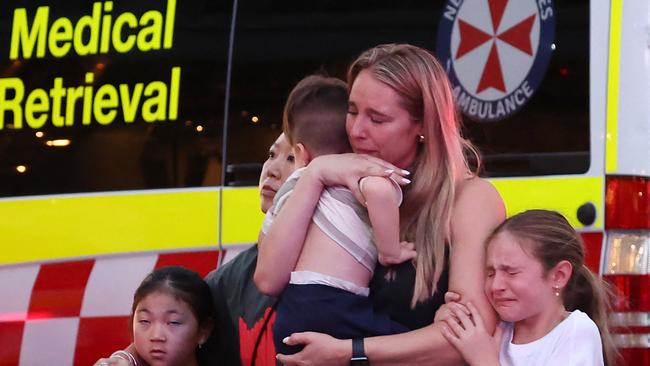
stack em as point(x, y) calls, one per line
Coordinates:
point(477, 212)
point(280, 248)
point(478, 209)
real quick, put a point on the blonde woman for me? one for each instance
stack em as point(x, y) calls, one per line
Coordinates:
point(401, 119)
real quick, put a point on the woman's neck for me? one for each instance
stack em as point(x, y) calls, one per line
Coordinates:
point(537, 326)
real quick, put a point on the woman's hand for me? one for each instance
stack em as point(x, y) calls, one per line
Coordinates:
point(113, 361)
point(320, 349)
point(347, 169)
point(471, 339)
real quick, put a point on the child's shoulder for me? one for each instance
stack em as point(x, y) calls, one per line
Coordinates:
point(582, 324)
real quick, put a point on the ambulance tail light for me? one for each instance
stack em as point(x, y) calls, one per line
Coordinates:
point(626, 264)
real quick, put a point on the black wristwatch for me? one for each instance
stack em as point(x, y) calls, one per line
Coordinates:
point(358, 354)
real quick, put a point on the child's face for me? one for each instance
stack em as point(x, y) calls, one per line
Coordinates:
point(516, 284)
point(165, 330)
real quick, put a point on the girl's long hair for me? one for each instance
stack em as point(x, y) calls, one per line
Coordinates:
point(553, 239)
point(425, 92)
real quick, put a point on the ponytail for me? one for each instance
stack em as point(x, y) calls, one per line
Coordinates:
point(590, 294)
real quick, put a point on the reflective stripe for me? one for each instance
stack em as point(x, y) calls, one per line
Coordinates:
point(631, 319)
point(242, 218)
point(616, 15)
point(632, 340)
point(66, 226)
point(565, 195)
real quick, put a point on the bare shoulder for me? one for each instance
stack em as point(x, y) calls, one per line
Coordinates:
point(477, 206)
point(475, 192)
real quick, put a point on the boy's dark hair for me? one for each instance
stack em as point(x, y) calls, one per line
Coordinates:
point(314, 115)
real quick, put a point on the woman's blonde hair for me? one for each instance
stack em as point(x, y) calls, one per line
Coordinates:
point(551, 239)
point(425, 92)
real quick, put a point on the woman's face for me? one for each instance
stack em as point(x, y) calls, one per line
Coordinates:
point(276, 169)
point(377, 125)
point(516, 284)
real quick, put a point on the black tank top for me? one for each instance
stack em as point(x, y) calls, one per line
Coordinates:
point(394, 297)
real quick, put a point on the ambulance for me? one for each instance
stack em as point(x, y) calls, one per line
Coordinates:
point(132, 132)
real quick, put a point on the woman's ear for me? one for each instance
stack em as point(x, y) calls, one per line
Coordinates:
point(561, 273)
point(302, 155)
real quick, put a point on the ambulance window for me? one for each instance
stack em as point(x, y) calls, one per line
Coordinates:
point(279, 43)
point(549, 134)
point(148, 101)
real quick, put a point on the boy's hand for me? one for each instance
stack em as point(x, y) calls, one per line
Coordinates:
point(406, 253)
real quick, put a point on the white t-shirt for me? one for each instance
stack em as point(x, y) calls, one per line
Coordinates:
point(573, 342)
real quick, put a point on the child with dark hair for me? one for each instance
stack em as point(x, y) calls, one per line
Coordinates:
point(553, 308)
point(345, 240)
point(172, 317)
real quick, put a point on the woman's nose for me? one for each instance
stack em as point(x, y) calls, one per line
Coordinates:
point(274, 168)
point(356, 126)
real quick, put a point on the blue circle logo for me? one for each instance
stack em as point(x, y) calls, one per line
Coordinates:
point(496, 53)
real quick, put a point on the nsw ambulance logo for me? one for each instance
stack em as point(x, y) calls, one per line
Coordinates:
point(496, 53)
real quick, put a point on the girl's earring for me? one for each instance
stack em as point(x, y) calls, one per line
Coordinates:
point(421, 139)
point(200, 345)
point(557, 290)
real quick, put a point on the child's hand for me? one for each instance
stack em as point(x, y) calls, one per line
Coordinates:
point(406, 252)
point(445, 312)
point(470, 337)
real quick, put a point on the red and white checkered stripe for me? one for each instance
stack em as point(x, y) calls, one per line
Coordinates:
point(73, 313)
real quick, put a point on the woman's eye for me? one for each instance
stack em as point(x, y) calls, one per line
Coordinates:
point(271, 154)
point(513, 273)
point(175, 323)
point(143, 321)
point(291, 158)
point(353, 113)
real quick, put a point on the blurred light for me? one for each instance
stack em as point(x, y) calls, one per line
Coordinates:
point(58, 143)
point(553, 46)
point(39, 134)
point(255, 119)
point(199, 128)
point(188, 123)
point(100, 66)
point(9, 126)
point(564, 71)
point(21, 169)
point(244, 114)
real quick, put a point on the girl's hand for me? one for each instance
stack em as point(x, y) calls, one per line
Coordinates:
point(347, 169)
point(320, 349)
point(471, 339)
point(445, 312)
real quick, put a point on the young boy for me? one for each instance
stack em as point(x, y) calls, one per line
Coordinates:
point(328, 289)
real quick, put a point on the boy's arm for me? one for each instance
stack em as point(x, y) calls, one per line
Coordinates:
point(382, 200)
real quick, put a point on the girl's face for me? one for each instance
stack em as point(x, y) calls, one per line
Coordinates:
point(516, 284)
point(276, 169)
point(377, 125)
point(165, 331)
